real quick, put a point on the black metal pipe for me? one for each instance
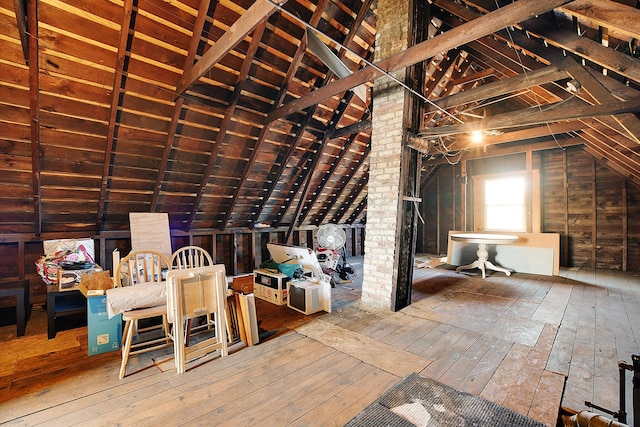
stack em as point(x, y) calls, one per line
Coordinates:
point(622, 414)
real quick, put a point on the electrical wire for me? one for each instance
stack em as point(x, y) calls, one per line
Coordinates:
point(527, 76)
point(369, 63)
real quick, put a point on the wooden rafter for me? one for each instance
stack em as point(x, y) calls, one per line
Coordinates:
point(531, 117)
point(34, 111)
point(472, 78)
point(305, 179)
point(440, 72)
point(293, 67)
point(21, 19)
point(610, 14)
point(112, 127)
point(205, 10)
point(499, 49)
point(622, 163)
point(502, 87)
point(358, 187)
point(298, 183)
point(291, 144)
point(345, 181)
point(482, 26)
point(361, 206)
point(306, 202)
point(257, 14)
point(228, 116)
point(621, 142)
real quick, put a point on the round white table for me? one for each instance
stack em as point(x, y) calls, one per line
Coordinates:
point(483, 240)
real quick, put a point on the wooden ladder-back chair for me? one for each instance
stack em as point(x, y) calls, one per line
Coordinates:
point(196, 292)
point(190, 257)
point(144, 270)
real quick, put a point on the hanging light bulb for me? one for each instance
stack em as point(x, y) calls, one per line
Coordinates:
point(477, 136)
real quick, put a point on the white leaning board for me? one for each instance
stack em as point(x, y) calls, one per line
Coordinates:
point(150, 231)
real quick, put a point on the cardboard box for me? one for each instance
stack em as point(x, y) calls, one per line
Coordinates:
point(104, 334)
point(270, 286)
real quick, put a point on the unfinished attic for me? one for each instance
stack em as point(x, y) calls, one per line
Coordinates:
point(403, 124)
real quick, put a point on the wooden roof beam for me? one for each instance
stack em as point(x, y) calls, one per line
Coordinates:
point(291, 71)
point(512, 50)
point(224, 125)
point(620, 18)
point(482, 26)
point(310, 112)
point(205, 9)
point(496, 151)
point(21, 17)
point(531, 117)
point(34, 112)
point(618, 62)
point(357, 127)
point(359, 186)
point(472, 78)
point(257, 14)
point(345, 182)
point(541, 131)
point(502, 87)
point(628, 123)
point(112, 126)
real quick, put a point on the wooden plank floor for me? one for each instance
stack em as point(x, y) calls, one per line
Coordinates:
point(526, 342)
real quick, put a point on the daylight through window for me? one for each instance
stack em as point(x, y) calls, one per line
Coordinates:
point(505, 204)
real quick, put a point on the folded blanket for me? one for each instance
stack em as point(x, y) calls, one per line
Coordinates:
point(142, 295)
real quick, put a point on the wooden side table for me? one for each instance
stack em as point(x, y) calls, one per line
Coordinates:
point(61, 304)
point(20, 290)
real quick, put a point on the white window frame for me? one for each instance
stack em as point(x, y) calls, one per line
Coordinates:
point(532, 208)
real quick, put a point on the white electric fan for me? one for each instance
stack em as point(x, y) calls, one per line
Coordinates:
point(331, 236)
point(333, 239)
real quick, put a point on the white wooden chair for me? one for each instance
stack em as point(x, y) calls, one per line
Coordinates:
point(190, 257)
point(144, 268)
point(192, 292)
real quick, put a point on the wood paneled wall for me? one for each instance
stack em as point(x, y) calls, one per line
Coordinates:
point(594, 209)
point(239, 250)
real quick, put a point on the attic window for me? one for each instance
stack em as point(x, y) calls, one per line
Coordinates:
point(504, 203)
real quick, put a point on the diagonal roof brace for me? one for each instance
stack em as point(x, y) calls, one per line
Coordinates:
point(259, 12)
point(472, 30)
